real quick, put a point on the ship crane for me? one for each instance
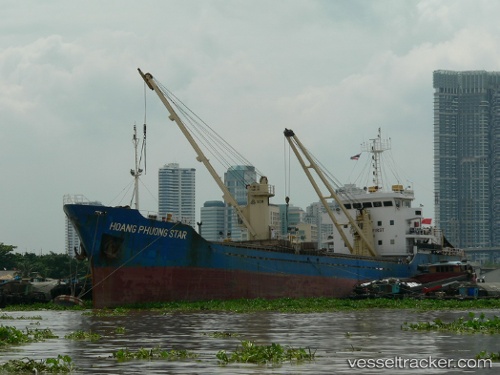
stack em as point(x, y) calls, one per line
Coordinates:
point(365, 243)
point(255, 216)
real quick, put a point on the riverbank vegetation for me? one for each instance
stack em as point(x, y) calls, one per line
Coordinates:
point(51, 265)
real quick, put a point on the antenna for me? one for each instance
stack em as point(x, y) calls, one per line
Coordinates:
point(376, 147)
point(137, 171)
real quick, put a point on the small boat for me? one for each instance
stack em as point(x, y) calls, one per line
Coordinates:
point(459, 270)
point(68, 300)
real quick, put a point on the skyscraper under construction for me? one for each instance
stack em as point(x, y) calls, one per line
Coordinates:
point(467, 158)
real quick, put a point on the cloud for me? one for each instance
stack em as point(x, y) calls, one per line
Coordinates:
point(334, 72)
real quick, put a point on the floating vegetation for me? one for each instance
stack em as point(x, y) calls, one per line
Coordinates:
point(154, 353)
point(120, 330)
point(61, 364)
point(321, 304)
point(13, 336)
point(83, 336)
point(487, 355)
point(274, 353)
point(40, 334)
point(46, 306)
point(119, 311)
point(471, 325)
point(22, 317)
point(288, 305)
point(220, 334)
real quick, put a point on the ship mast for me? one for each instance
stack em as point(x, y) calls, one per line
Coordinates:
point(376, 147)
point(137, 171)
point(148, 78)
point(295, 144)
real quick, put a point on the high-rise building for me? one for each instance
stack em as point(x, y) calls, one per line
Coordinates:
point(213, 221)
point(236, 179)
point(467, 157)
point(176, 193)
point(290, 216)
point(71, 239)
point(221, 222)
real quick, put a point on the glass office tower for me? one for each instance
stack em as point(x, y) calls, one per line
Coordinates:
point(467, 157)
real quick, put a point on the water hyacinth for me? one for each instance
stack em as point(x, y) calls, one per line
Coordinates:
point(320, 304)
point(59, 365)
point(40, 334)
point(288, 305)
point(9, 317)
point(83, 336)
point(13, 336)
point(120, 330)
point(489, 355)
point(249, 352)
point(219, 334)
point(472, 325)
point(154, 353)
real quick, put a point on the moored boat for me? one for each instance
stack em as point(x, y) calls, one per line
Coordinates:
point(445, 270)
point(138, 259)
point(68, 300)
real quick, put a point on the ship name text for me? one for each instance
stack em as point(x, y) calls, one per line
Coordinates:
point(149, 230)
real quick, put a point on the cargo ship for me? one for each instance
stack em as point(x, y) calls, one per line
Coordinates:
point(138, 258)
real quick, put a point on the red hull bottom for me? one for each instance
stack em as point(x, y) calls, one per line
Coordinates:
point(116, 287)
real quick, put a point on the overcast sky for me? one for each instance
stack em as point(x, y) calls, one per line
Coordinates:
point(333, 71)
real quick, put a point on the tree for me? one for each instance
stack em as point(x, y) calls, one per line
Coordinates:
point(7, 257)
point(62, 266)
point(52, 265)
point(28, 263)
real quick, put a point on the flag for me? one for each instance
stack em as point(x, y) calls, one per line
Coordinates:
point(427, 221)
point(355, 157)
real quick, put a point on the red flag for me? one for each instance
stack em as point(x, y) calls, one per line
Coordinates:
point(355, 157)
point(427, 221)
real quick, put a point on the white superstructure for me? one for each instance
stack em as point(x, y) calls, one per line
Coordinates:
point(376, 220)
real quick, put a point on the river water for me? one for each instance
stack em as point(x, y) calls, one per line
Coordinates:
point(336, 337)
